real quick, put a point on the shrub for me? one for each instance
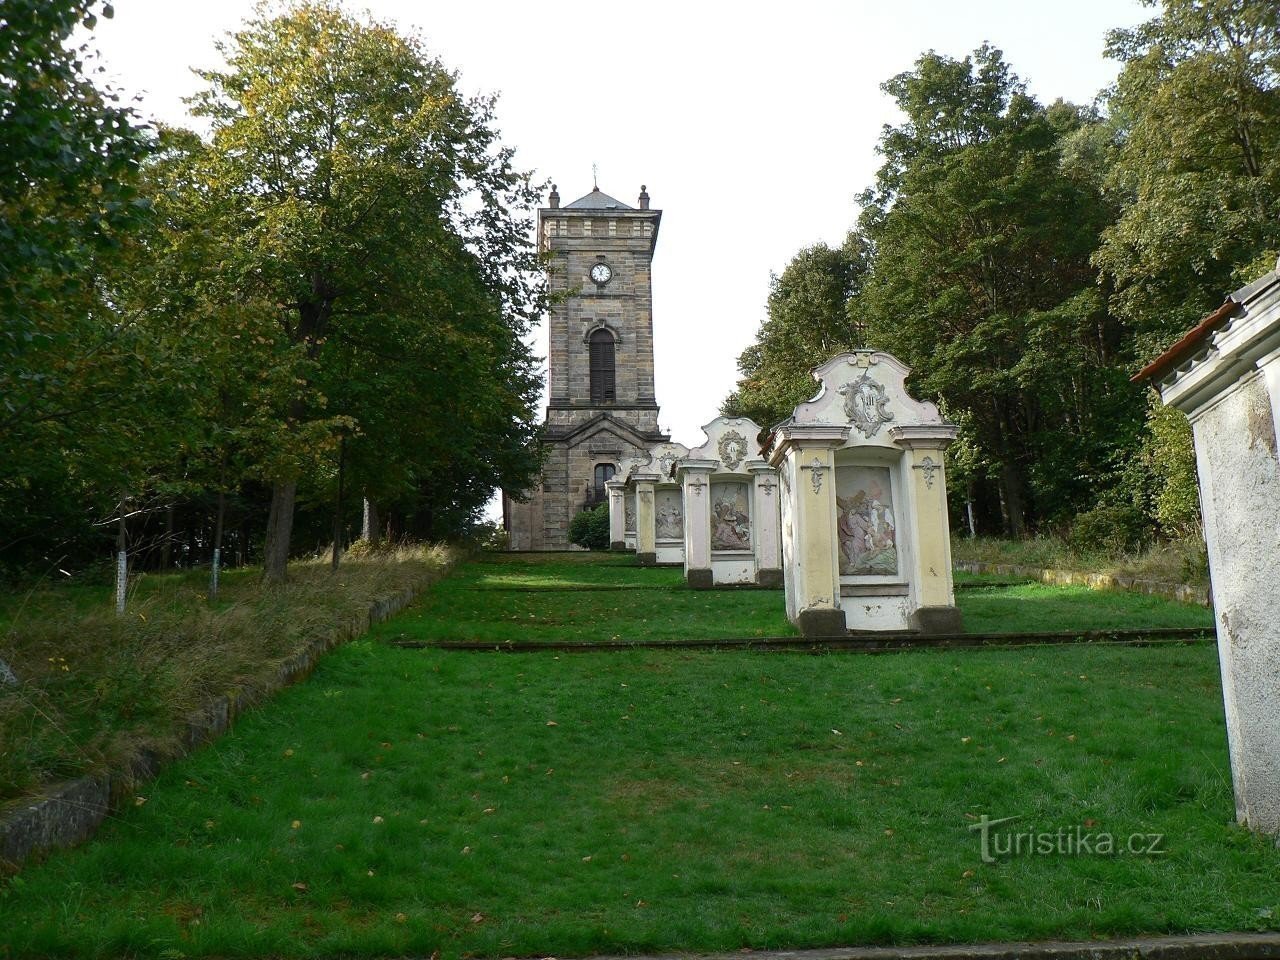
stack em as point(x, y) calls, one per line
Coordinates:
point(1110, 528)
point(590, 528)
point(489, 535)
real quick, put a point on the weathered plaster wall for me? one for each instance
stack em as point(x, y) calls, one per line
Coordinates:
point(1235, 441)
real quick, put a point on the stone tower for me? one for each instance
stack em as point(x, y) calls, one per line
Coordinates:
point(601, 407)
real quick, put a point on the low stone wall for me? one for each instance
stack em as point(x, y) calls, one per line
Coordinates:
point(1095, 581)
point(68, 813)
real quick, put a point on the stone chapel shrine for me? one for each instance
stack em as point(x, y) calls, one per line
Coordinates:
point(601, 408)
point(652, 508)
point(731, 508)
point(865, 537)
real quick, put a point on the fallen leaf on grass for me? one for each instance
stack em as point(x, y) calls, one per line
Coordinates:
point(477, 918)
point(552, 723)
point(300, 887)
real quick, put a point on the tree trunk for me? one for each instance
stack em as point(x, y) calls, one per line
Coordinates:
point(275, 554)
point(370, 529)
point(1014, 500)
point(122, 559)
point(337, 503)
point(166, 545)
point(215, 567)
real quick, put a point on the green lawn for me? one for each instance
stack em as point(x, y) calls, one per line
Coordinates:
point(589, 597)
point(594, 597)
point(409, 801)
point(1036, 607)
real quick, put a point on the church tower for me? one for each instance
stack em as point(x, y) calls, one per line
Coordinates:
point(601, 407)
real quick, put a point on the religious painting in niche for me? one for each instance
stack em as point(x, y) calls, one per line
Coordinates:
point(866, 523)
point(668, 515)
point(630, 511)
point(730, 516)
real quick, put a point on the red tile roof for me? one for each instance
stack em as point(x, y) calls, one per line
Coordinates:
point(1188, 344)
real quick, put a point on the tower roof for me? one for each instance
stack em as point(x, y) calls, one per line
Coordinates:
point(596, 200)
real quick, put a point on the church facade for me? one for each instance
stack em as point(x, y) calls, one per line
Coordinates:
point(601, 407)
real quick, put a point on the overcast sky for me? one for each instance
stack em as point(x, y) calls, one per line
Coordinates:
point(754, 125)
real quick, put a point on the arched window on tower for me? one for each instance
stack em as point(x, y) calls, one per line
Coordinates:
point(603, 388)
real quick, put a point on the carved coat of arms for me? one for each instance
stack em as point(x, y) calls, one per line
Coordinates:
point(732, 449)
point(866, 405)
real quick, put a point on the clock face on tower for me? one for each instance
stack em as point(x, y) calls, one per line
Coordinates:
point(601, 273)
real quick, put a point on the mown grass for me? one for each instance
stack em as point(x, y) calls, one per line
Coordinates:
point(513, 597)
point(95, 685)
point(1038, 607)
point(508, 598)
point(405, 802)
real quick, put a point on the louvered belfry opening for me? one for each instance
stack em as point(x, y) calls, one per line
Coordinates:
point(603, 388)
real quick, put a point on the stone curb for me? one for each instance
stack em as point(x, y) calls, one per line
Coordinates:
point(1206, 946)
point(68, 813)
point(1184, 592)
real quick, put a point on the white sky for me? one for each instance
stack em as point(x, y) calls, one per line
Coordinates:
point(753, 124)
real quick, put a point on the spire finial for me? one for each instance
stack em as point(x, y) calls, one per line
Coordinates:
point(595, 176)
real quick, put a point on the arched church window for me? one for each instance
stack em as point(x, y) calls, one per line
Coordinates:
point(604, 473)
point(603, 389)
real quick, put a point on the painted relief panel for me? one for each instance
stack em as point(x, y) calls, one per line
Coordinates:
point(730, 516)
point(866, 522)
point(669, 515)
point(631, 511)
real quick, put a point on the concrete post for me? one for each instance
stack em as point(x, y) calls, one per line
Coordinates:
point(646, 538)
point(810, 548)
point(768, 544)
point(932, 583)
point(617, 514)
point(697, 521)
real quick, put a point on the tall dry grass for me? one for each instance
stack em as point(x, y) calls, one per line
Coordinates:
point(95, 686)
point(1181, 561)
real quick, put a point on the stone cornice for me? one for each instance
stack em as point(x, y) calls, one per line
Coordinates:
point(930, 436)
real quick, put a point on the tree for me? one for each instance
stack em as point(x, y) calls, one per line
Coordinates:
point(71, 364)
point(982, 225)
point(344, 165)
point(809, 319)
point(1196, 121)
